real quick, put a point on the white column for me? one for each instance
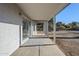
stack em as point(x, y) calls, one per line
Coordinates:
point(35, 28)
point(31, 28)
point(54, 29)
point(46, 27)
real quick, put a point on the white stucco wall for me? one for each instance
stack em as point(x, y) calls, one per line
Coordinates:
point(10, 23)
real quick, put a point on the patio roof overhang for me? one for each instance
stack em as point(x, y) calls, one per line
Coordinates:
point(41, 11)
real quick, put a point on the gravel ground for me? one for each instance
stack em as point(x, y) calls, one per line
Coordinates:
point(68, 42)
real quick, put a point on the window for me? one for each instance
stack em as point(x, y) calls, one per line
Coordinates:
point(25, 28)
point(39, 26)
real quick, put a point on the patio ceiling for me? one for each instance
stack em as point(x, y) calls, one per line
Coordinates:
point(41, 11)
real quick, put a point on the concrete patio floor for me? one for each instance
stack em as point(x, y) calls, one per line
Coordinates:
point(39, 48)
point(38, 41)
point(51, 50)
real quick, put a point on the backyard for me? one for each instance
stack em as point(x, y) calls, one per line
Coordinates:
point(67, 37)
point(67, 30)
point(69, 42)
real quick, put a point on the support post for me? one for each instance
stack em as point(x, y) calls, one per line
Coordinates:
point(54, 29)
point(35, 28)
point(31, 28)
point(47, 28)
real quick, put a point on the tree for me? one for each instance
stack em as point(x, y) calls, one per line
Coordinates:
point(73, 25)
point(60, 26)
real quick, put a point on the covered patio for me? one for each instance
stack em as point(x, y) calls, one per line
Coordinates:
point(39, 16)
point(39, 42)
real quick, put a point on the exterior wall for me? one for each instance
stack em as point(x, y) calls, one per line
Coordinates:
point(10, 24)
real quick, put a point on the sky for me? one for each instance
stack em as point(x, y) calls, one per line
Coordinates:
point(69, 14)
